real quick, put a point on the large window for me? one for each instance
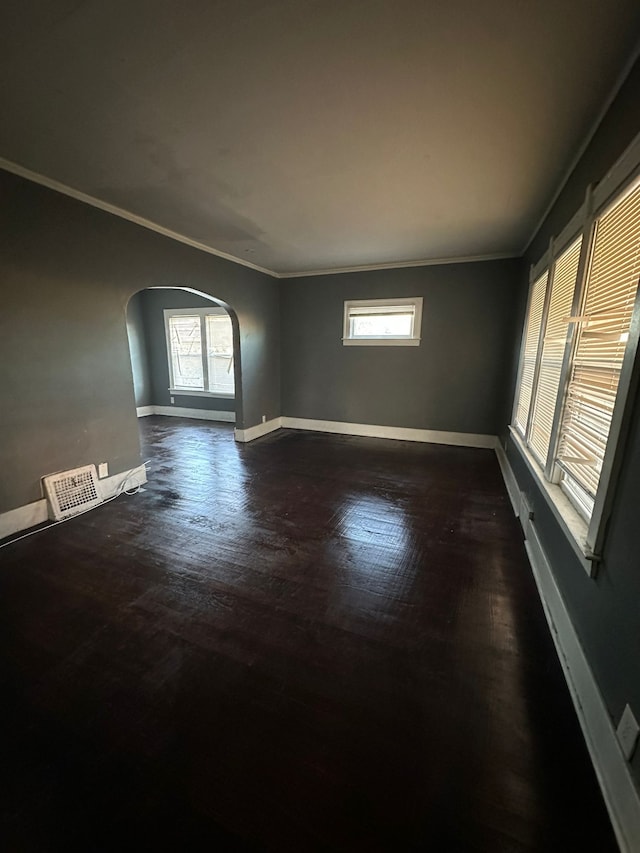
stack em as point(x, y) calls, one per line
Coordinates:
point(578, 356)
point(200, 351)
point(382, 322)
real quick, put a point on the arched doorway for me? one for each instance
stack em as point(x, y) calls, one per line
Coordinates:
point(185, 354)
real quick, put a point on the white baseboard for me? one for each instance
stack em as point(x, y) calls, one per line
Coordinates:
point(612, 770)
point(124, 481)
point(23, 517)
point(251, 433)
point(179, 412)
point(509, 480)
point(37, 512)
point(461, 439)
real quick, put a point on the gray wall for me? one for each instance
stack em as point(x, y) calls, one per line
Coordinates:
point(67, 271)
point(614, 134)
point(137, 335)
point(153, 304)
point(605, 610)
point(456, 380)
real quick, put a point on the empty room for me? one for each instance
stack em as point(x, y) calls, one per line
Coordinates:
point(320, 436)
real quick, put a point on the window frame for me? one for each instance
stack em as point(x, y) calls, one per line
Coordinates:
point(585, 534)
point(202, 313)
point(412, 340)
point(627, 385)
point(536, 273)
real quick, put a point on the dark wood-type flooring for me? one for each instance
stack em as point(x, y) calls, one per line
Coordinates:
point(308, 643)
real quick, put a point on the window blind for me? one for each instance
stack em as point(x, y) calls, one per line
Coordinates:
point(563, 284)
point(532, 336)
point(603, 330)
point(396, 321)
point(366, 310)
point(381, 321)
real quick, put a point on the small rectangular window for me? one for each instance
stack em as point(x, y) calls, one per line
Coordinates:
point(382, 322)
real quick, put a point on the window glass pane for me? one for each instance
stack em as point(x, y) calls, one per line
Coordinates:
point(530, 355)
point(374, 322)
point(186, 352)
point(553, 346)
point(220, 353)
point(603, 331)
point(382, 325)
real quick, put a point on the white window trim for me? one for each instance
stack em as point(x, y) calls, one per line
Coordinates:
point(387, 340)
point(587, 539)
point(571, 522)
point(191, 312)
point(184, 392)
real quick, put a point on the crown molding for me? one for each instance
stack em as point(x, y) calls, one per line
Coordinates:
point(396, 265)
point(85, 198)
point(78, 195)
point(620, 80)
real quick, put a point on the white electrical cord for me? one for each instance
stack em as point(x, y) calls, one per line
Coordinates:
point(122, 490)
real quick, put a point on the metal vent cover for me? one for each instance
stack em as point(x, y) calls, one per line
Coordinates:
point(72, 492)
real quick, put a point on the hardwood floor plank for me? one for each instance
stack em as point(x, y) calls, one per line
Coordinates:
point(306, 643)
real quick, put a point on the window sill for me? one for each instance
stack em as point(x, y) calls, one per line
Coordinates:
point(381, 342)
point(571, 522)
point(184, 393)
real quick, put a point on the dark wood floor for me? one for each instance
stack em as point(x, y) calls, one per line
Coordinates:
point(307, 643)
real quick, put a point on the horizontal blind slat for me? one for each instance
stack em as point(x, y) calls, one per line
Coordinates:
point(556, 330)
point(532, 335)
point(610, 292)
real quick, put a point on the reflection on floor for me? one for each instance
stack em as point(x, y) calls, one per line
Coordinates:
point(306, 643)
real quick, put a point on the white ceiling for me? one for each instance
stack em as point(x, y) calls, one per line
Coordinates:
point(303, 135)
